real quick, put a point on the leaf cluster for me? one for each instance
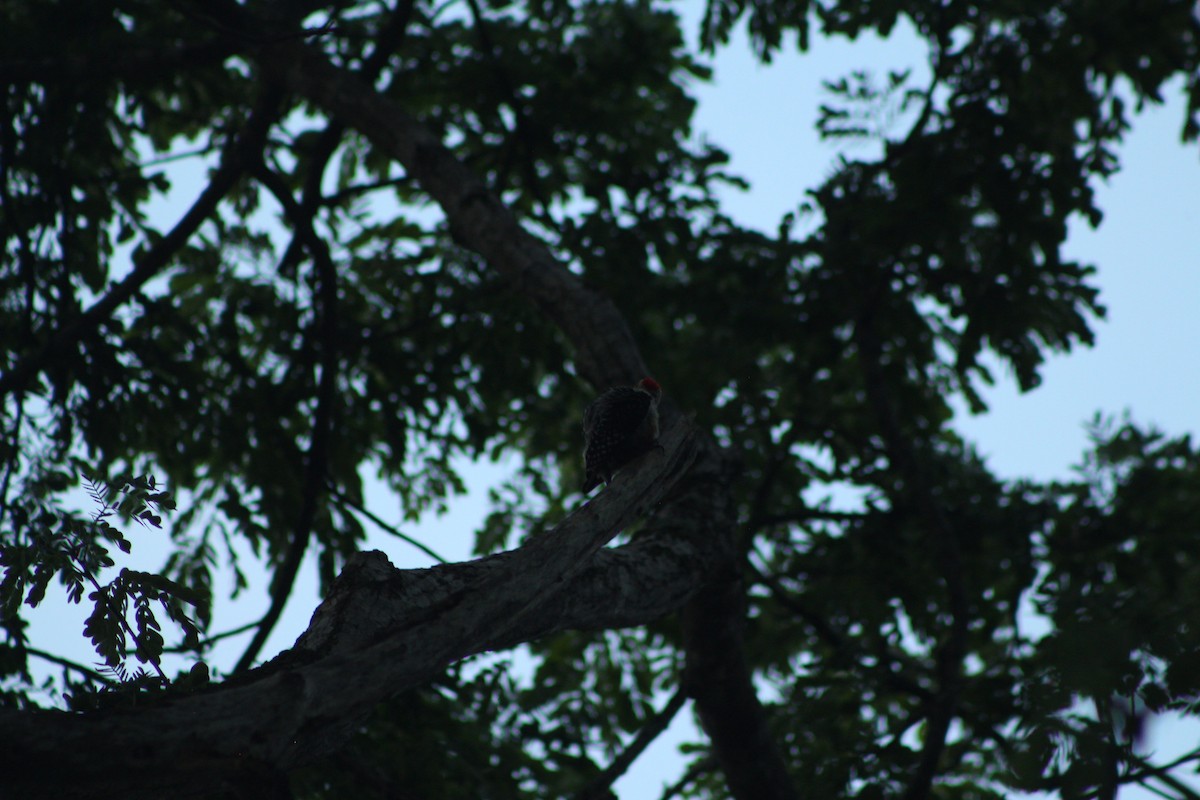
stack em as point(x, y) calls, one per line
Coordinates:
point(48, 545)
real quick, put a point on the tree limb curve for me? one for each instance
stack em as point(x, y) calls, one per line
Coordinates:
point(380, 631)
point(607, 354)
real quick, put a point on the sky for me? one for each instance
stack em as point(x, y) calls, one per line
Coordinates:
point(1145, 358)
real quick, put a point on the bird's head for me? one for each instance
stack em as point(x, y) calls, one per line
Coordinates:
point(650, 387)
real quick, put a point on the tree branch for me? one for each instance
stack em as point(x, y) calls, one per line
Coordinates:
point(606, 354)
point(1160, 772)
point(704, 765)
point(344, 499)
point(71, 665)
point(598, 789)
point(211, 640)
point(720, 680)
point(380, 631)
point(838, 640)
point(316, 459)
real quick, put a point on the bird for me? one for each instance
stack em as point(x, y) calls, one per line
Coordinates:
point(618, 426)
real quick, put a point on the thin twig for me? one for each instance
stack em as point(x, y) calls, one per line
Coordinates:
point(838, 640)
point(809, 515)
point(598, 788)
point(63, 662)
point(316, 460)
point(1161, 773)
point(216, 637)
point(386, 527)
point(702, 766)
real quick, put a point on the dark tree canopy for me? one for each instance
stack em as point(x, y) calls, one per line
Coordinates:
point(432, 231)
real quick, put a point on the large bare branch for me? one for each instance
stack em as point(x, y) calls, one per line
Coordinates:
point(380, 631)
point(606, 354)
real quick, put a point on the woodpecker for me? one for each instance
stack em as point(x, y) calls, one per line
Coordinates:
point(619, 426)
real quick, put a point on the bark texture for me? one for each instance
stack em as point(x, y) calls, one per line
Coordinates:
point(381, 630)
point(607, 355)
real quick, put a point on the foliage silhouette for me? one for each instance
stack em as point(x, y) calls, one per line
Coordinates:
point(429, 234)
